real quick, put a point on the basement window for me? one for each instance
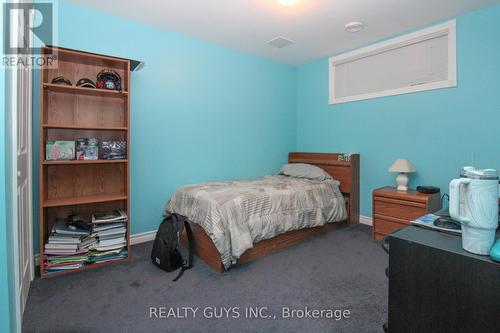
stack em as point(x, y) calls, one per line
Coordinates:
point(423, 60)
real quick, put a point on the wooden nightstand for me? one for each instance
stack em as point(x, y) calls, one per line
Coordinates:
point(393, 209)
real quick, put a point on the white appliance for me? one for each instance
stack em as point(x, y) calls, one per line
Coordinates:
point(474, 203)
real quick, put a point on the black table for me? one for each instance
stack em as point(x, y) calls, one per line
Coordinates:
point(436, 286)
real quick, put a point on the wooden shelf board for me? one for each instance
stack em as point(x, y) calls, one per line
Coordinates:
point(86, 267)
point(78, 55)
point(79, 162)
point(86, 128)
point(81, 200)
point(84, 91)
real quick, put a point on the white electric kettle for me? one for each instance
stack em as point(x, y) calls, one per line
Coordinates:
point(474, 203)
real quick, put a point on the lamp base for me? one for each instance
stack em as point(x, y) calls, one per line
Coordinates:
point(402, 181)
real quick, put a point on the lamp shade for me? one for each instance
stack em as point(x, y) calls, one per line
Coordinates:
point(402, 165)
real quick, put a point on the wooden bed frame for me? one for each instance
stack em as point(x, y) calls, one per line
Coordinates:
point(342, 167)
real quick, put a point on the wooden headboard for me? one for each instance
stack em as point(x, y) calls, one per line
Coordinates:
point(342, 167)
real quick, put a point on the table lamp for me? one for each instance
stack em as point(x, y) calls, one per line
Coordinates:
point(403, 166)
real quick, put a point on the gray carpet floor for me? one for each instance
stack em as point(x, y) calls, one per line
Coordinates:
point(342, 270)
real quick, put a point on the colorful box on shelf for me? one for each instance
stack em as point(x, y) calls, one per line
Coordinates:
point(112, 150)
point(87, 149)
point(59, 150)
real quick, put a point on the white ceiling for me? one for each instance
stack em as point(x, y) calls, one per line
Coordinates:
point(315, 26)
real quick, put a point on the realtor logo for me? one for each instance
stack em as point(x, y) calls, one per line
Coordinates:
point(27, 28)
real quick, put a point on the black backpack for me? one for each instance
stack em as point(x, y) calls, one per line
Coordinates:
point(165, 253)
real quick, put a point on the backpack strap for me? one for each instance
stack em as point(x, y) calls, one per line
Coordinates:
point(189, 265)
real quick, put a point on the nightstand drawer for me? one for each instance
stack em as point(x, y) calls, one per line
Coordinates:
point(406, 210)
point(385, 226)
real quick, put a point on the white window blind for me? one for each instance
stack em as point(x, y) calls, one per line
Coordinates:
point(419, 61)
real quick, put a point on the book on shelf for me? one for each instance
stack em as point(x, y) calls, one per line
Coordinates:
point(88, 241)
point(63, 267)
point(49, 246)
point(111, 241)
point(57, 240)
point(107, 226)
point(53, 260)
point(109, 216)
point(108, 259)
point(62, 252)
point(104, 253)
point(112, 232)
point(108, 256)
point(108, 247)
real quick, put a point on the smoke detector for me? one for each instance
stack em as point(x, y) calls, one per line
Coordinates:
point(279, 42)
point(354, 26)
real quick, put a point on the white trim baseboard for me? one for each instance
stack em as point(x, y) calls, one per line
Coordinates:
point(142, 237)
point(366, 220)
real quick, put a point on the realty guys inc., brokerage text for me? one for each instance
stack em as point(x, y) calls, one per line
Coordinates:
point(258, 312)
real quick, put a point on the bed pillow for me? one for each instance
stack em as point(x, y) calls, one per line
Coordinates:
point(303, 170)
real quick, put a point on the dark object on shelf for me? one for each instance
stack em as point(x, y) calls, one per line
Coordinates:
point(428, 189)
point(109, 79)
point(61, 80)
point(447, 223)
point(78, 222)
point(165, 253)
point(114, 150)
point(85, 83)
point(436, 286)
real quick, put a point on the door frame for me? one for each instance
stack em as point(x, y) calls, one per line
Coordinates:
point(12, 80)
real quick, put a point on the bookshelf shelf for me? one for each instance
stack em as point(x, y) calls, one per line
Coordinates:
point(78, 162)
point(82, 200)
point(86, 128)
point(83, 91)
point(83, 187)
point(86, 267)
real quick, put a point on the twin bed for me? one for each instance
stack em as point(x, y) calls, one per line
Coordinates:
point(234, 222)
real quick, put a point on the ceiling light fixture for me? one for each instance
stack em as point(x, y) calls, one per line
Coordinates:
point(354, 26)
point(287, 3)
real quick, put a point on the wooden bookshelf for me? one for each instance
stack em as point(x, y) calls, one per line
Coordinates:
point(69, 113)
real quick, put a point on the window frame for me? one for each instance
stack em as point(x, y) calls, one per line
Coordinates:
point(447, 28)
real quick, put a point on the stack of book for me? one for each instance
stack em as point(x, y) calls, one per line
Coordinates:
point(74, 243)
point(67, 247)
point(110, 229)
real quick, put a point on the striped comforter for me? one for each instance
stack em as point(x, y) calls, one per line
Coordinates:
point(236, 214)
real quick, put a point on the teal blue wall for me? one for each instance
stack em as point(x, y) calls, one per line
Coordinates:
point(436, 130)
point(200, 112)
